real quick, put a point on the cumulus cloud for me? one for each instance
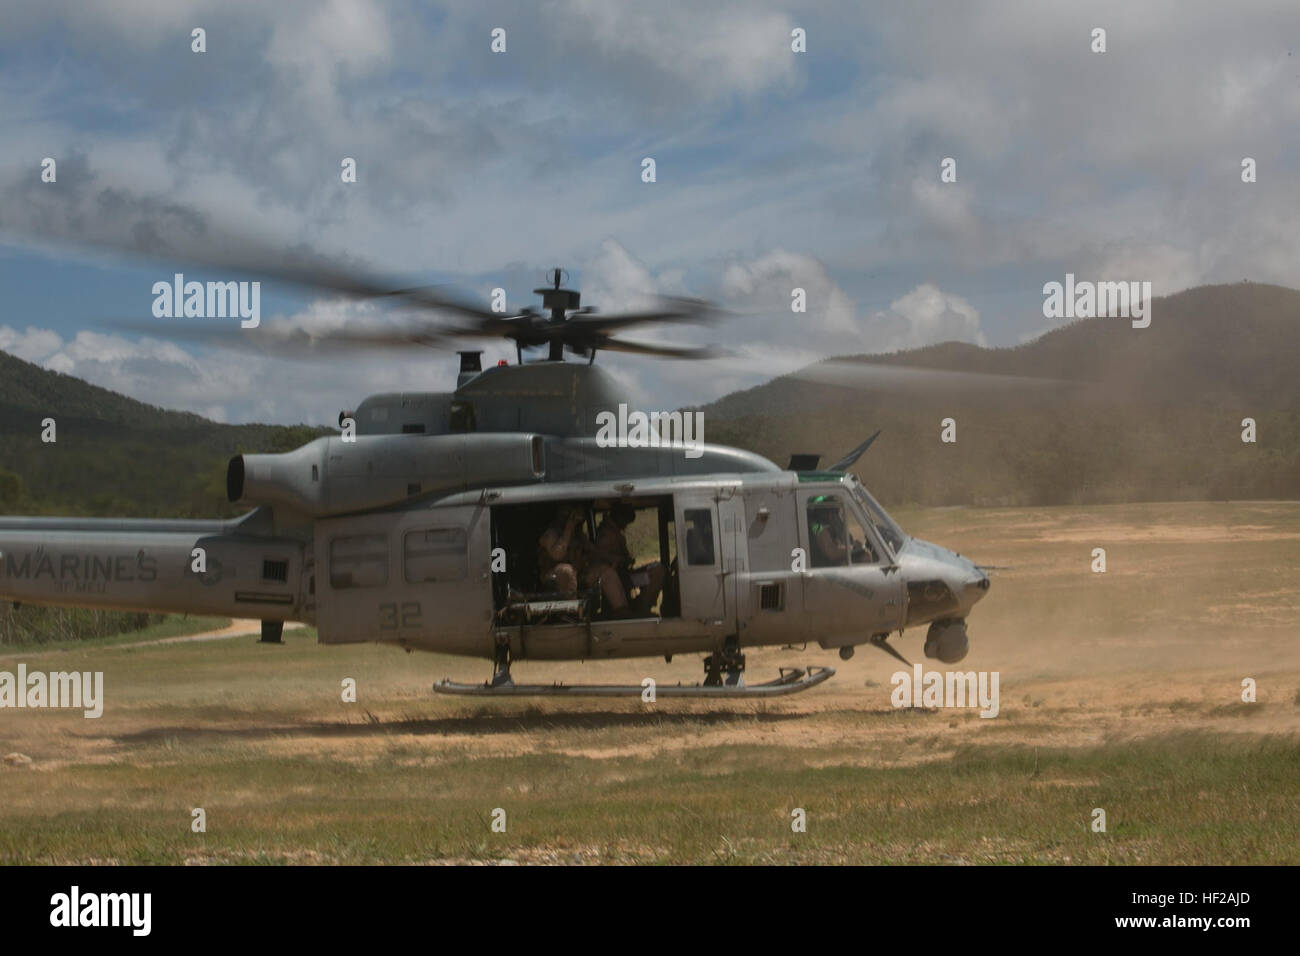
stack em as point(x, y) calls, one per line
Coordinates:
point(31, 344)
point(926, 316)
point(947, 206)
point(614, 280)
point(235, 385)
point(766, 286)
point(764, 338)
point(833, 323)
point(817, 170)
point(715, 52)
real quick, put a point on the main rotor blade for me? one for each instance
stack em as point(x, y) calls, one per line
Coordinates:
point(297, 342)
point(178, 234)
point(430, 297)
point(675, 309)
point(655, 349)
point(182, 235)
point(853, 373)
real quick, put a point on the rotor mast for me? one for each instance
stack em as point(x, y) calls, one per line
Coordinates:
point(559, 301)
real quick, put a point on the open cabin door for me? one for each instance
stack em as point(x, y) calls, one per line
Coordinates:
point(413, 577)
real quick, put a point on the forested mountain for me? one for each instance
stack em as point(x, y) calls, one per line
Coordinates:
point(114, 455)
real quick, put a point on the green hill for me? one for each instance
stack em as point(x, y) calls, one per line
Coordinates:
point(114, 455)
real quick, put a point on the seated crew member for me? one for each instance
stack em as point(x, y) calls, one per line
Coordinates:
point(566, 558)
point(863, 551)
point(826, 533)
point(611, 545)
point(560, 552)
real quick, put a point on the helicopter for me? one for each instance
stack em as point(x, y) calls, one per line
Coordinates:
point(490, 521)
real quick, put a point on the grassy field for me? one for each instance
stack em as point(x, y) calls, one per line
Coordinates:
point(1120, 691)
point(172, 625)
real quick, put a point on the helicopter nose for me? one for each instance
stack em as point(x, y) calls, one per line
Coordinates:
point(967, 582)
point(973, 585)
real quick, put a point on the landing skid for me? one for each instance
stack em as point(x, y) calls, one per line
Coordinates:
point(792, 681)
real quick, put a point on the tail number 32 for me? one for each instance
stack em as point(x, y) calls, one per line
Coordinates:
point(393, 616)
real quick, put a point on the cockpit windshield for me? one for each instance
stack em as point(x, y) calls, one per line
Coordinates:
point(889, 530)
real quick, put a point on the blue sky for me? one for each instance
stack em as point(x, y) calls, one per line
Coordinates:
point(775, 170)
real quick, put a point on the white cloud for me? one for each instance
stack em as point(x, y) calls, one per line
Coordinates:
point(32, 344)
point(926, 316)
point(766, 286)
point(947, 206)
point(767, 339)
point(230, 385)
point(1167, 267)
point(714, 52)
point(818, 170)
point(616, 281)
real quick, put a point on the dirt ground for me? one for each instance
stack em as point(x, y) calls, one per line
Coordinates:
point(1195, 599)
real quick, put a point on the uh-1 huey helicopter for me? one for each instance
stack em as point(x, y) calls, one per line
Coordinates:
point(422, 526)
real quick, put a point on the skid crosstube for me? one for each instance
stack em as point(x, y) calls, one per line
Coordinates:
point(792, 681)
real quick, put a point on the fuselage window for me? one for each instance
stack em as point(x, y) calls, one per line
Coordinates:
point(436, 554)
point(359, 561)
point(699, 536)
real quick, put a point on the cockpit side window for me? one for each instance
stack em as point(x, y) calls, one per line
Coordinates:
point(837, 536)
point(862, 544)
point(894, 536)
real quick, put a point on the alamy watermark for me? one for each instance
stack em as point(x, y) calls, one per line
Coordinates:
point(211, 300)
point(75, 908)
point(946, 689)
point(56, 689)
point(1086, 300)
point(638, 429)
